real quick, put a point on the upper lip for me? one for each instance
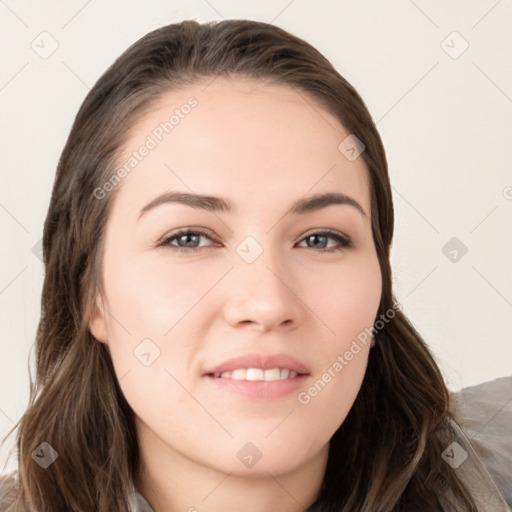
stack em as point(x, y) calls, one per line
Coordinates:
point(263, 361)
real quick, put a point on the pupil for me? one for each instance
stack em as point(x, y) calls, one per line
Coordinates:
point(316, 237)
point(183, 237)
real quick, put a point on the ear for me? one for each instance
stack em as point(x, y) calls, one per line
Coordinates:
point(98, 321)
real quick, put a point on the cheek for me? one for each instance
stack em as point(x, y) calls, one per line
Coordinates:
point(151, 334)
point(152, 322)
point(151, 297)
point(348, 307)
point(346, 300)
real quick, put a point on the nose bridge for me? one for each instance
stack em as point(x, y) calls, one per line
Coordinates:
point(261, 288)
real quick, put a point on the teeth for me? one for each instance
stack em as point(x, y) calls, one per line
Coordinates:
point(258, 374)
point(273, 374)
point(238, 374)
point(255, 374)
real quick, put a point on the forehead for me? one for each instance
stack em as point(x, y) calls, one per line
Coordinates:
point(241, 138)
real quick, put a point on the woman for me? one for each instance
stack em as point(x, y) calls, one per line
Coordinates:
point(218, 328)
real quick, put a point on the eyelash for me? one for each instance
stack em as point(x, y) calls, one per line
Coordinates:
point(344, 242)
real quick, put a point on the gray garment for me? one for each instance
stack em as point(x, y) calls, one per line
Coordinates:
point(478, 447)
point(484, 416)
point(142, 504)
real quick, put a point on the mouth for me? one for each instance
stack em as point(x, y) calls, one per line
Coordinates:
point(257, 374)
point(258, 384)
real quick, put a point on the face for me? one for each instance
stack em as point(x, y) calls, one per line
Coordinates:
point(258, 280)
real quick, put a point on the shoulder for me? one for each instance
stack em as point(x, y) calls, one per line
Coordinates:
point(8, 487)
point(484, 415)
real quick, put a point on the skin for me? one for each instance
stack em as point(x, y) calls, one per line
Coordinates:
point(262, 147)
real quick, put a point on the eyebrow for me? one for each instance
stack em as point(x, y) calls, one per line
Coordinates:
point(219, 204)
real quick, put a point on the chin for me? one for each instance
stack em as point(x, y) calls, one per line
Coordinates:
point(260, 457)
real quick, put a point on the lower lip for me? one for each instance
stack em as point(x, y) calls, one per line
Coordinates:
point(263, 389)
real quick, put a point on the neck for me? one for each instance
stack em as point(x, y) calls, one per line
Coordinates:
point(171, 482)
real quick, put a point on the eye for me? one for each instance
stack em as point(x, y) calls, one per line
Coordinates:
point(190, 238)
point(320, 238)
point(185, 236)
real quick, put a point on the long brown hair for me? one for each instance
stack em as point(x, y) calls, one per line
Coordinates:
point(385, 456)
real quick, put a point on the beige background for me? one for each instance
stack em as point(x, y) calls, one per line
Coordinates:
point(444, 115)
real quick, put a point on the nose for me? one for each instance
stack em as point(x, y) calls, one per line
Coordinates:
point(261, 296)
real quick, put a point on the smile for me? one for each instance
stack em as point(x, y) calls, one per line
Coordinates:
point(257, 374)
